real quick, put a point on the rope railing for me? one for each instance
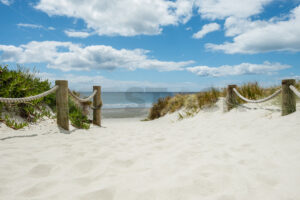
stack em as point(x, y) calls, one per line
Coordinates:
point(80, 99)
point(62, 93)
point(297, 93)
point(257, 101)
point(288, 101)
point(30, 98)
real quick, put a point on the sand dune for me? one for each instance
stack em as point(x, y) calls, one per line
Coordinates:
point(240, 155)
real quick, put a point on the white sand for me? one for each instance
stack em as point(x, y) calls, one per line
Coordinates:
point(240, 155)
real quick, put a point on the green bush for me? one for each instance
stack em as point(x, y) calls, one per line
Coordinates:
point(20, 82)
point(77, 118)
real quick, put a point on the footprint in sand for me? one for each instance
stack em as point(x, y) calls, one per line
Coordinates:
point(84, 166)
point(226, 197)
point(102, 194)
point(123, 163)
point(40, 170)
point(38, 189)
point(267, 180)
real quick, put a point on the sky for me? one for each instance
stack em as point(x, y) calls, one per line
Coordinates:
point(153, 45)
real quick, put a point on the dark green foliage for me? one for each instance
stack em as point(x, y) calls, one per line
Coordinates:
point(20, 82)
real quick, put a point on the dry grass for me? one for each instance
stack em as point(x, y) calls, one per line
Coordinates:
point(192, 103)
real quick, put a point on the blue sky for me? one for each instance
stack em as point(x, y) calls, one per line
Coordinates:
point(179, 45)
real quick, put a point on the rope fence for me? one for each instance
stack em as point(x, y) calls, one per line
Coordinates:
point(27, 99)
point(80, 100)
point(288, 92)
point(62, 92)
point(257, 101)
point(296, 92)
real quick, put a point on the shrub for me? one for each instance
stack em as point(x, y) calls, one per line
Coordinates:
point(20, 82)
point(77, 118)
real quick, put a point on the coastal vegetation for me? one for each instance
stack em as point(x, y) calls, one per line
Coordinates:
point(21, 82)
point(191, 104)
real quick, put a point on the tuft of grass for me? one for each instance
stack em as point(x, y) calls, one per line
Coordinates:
point(12, 123)
point(192, 103)
point(251, 91)
point(208, 98)
point(77, 118)
point(155, 111)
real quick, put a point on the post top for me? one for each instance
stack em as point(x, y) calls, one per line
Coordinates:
point(232, 86)
point(288, 81)
point(95, 87)
point(61, 82)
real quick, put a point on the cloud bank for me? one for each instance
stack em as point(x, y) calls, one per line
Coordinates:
point(241, 69)
point(67, 56)
point(125, 18)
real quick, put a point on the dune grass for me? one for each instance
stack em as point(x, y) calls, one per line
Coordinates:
point(191, 104)
point(21, 82)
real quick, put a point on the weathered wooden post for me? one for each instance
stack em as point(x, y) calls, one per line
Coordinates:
point(97, 103)
point(231, 100)
point(85, 108)
point(62, 104)
point(288, 97)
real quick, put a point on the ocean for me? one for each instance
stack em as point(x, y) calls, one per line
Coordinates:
point(129, 104)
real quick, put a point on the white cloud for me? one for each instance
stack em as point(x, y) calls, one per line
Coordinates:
point(29, 25)
point(7, 2)
point(241, 69)
point(236, 26)
point(125, 18)
point(220, 9)
point(80, 34)
point(67, 56)
point(51, 28)
point(207, 28)
point(262, 36)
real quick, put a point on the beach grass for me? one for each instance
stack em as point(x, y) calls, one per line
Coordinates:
point(193, 103)
point(21, 82)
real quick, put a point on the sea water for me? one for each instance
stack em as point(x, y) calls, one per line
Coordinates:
point(129, 104)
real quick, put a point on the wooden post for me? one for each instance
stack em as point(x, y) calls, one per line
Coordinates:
point(97, 103)
point(288, 97)
point(62, 104)
point(85, 108)
point(231, 100)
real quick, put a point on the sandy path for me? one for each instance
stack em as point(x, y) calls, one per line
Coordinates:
point(253, 154)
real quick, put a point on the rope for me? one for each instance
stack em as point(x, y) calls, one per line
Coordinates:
point(256, 101)
point(80, 99)
point(97, 107)
point(295, 90)
point(249, 108)
point(26, 99)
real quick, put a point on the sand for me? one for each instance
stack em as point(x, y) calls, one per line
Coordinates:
point(240, 155)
